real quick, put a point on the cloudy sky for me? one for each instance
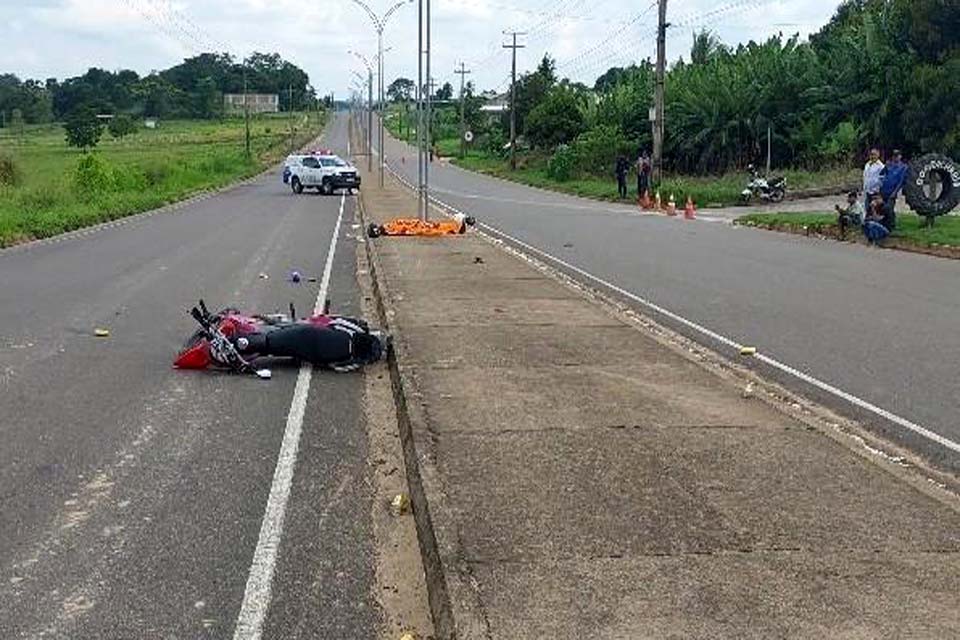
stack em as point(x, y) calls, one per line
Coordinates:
point(62, 38)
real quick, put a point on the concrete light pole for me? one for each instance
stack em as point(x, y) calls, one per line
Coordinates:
point(369, 67)
point(379, 24)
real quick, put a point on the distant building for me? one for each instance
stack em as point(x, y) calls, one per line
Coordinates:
point(258, 103)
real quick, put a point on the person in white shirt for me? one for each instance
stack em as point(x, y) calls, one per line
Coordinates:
point(872, 177)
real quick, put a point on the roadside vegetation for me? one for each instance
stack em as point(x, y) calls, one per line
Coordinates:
point(910, 229)
point(48, 187)
point(880, 73)
point(77, 151)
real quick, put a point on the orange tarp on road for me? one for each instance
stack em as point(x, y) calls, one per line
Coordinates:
point(416, 227)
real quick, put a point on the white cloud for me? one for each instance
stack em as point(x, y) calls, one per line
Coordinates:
point(153, 34)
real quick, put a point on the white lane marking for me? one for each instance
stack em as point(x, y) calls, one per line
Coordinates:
point(785, 368)
point(256, 597)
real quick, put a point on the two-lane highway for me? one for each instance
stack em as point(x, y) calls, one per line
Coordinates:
point(132, 496)
point(879, 328)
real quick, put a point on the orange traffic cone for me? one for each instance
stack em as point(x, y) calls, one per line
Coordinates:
point(645, 201)
point(690, 211)
point(672, 206)
point(658, 202)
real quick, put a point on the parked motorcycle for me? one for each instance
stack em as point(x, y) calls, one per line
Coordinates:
point(772, 190)
point(232, 340)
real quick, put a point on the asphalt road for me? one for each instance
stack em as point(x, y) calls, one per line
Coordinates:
point(880, 325)
point(132, 495)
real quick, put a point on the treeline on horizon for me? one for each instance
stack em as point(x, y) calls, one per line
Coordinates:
point(881, 73)
point(191, 89)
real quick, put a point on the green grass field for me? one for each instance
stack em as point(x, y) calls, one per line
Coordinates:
point(145, 170)
point(945, 232)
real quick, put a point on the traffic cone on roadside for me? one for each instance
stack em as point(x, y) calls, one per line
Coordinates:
point(645, 202)
point(658, 202)
point(672, 206)
point(690, 211)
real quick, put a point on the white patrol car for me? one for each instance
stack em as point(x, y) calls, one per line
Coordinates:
point(324, 172)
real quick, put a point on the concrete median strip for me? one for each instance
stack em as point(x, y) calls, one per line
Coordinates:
point(573, 476)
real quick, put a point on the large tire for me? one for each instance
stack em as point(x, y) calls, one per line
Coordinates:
point(923, 173)
point(777, 195)
point(326, 187)
point(296, 185)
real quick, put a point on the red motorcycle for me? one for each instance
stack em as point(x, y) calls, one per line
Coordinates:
point(231, 340)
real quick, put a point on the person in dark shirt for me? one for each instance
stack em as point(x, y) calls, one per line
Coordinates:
point(622, 168)
point(894, 177)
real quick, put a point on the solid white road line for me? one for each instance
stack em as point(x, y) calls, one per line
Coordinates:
point(256, 597)
point(713, 335)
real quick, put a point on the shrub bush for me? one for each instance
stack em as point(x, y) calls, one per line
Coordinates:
point(10, 174)
point(597, 149)
point(93, 176)
point(562, 163)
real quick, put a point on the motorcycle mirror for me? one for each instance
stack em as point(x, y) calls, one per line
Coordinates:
point(264, 374)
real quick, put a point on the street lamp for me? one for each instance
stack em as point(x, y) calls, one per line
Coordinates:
point(379, 24)
point(369, 67)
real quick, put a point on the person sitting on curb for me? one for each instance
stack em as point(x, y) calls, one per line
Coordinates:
point(851, 215)
point(873, 224)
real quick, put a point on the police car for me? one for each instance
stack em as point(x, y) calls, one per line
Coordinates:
point(322, 170)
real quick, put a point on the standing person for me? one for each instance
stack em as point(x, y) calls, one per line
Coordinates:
point(643, 174)
point(622, 168)
point(894, 177)
point(872, 177)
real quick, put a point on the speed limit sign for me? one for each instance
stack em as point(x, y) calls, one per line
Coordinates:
point(468, 136)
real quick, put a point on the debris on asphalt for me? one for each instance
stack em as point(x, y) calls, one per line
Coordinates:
point(400, 505)
point(409, 636)
point(264, 276)
point(748, 351)
point(312, 279)
point(295, 277)
point(478, 260)
point(101, 333)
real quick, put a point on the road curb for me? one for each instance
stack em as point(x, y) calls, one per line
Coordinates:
point(448, 581)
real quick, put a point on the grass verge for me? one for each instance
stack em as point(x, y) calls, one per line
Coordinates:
point(143, 171)
point(945, 233)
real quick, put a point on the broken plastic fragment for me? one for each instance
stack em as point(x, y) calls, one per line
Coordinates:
point(400, 504)
point(101, 333)
point(264, 374)
point(748, 351)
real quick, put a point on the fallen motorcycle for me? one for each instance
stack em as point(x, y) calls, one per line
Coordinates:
point(232, 340)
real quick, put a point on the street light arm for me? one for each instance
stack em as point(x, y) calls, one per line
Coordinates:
point(373, 16)
point(362, 59)
point(393, 10)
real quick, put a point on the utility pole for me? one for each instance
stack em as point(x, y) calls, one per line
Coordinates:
point(290, 115)
point(658, 128)
point(246, 109)
point(513, 95)
point(462, 72)
point(428, 140)
point(369, 121)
